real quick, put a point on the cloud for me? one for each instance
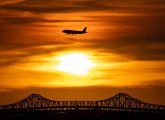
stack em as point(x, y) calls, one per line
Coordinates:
point(137, 37)
point(23, 20)
point(18, 57)
point(141, 48)
point(132, 30)
point(2, 2)
point(58, 6)
point(29, 20)
point(40, 6)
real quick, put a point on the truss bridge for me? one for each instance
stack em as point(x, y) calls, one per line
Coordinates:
point(119, 102)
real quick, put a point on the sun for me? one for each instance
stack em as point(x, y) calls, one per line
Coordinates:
point(75, 63)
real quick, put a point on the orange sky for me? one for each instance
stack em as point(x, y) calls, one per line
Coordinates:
point(125, 40)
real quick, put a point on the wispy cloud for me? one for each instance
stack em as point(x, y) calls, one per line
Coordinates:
point(2, 2)
point(58, 6)
point(26, 20)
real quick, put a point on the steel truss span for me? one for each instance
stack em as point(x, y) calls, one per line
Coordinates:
point(119, 102)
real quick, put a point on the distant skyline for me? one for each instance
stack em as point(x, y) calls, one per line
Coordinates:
point(124, 49)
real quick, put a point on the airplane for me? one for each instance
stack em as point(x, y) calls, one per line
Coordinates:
point(75, 31)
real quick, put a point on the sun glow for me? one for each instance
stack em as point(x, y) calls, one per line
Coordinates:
point(75, 63)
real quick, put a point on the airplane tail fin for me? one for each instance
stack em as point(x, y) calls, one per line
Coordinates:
point(84, 30)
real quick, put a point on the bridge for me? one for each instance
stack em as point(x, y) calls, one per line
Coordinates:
point(119, 102)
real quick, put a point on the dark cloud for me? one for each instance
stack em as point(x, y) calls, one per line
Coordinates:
point(38, 9)
point(136, 48)
point(58, 6)
point(8, 1)
point(26, 20)
point(17, 44)
point(10, 58)
point(137, 37)
point(41, 6)
point(23, 20)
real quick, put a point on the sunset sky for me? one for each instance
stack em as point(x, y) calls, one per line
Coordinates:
point(123, 51)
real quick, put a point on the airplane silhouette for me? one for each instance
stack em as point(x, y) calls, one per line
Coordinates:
point(75, 31)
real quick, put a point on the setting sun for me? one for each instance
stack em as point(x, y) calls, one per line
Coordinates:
point(75, 63)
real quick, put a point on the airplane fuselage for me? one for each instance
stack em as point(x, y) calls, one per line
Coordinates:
point(74, 32)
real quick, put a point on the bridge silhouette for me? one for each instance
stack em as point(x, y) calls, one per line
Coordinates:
point(119, 102)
